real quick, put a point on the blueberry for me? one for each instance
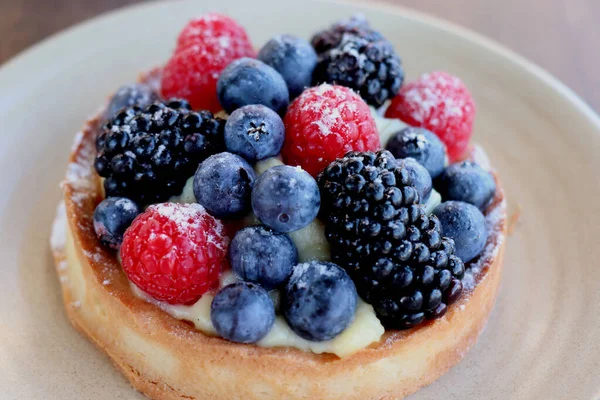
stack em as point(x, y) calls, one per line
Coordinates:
point(420, 176)
point(139, 94)
point(294, 58)
point(112, 217)
point(223, 185)
point(255, 132)
point(286, 198)
point(464, 223)
point(468, 182)
point(257, 254)
point(249, 81)
point(422, 145)
point(319, 300)
point(242, 312)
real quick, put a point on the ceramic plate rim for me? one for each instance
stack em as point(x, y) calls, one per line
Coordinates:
point(472, 36)
point(523, 68)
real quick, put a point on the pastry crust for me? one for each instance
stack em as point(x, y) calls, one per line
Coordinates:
point(168, 359)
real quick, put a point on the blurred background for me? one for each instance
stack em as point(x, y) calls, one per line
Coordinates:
point(563, 36)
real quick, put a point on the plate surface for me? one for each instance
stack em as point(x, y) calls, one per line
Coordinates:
point(542, 339)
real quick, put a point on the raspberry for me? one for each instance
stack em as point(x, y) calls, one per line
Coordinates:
point(215, 30)
point(323, 124)
point(441, 103)
point(175, 252)
point(205, 47)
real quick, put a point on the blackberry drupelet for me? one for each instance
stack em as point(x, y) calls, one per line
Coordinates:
point(379, 232)
point(148, 154)
point(370, 67)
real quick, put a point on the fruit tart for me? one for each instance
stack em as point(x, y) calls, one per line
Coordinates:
point(293, 223)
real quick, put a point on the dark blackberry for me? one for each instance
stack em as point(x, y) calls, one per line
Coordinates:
point(148, 154)
point(356, 25)
point(379, 232)
point(370, 67)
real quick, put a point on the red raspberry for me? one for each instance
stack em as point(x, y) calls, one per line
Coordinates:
point(215, 30)
point(323, 124)
point(205, 47)
point(441, 103)
point(175, 252)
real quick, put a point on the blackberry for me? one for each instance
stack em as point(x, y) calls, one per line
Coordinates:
point(370, 67)
point(380, 233)
point(148, 154)
point(356, 25)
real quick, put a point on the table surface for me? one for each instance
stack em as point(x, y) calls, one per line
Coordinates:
point(559, 35)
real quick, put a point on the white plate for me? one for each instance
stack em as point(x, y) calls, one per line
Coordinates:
point(542, 339)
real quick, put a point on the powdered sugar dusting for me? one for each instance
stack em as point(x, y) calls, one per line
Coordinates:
point(59, 228)
point(79, 197)
point(347, 48)
point(224, 41)
point(330, 117)
point(300, 270)
point(330, 106)
point(430, 92)
point(126, 205)
point(94, 256)
point(77, 140)
point(188, 216)
point(203, 28)
point(208, 31)
point(184, 216)
point(328, 90)
point(79, 174)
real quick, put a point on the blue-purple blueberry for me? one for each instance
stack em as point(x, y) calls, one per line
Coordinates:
point(249, 81)
point(137, 94)
point(258, 254)
point(467, 181)
point(464, 223)
point(294, 58)
point(319, 300)
point(223, 185)
point(420, 176)
point(242, 312)
point(286, 198)
point(254, 132)
point(422, 145)
point(112, 217)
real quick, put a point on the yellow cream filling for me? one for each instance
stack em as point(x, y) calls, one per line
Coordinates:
point(364, 330)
